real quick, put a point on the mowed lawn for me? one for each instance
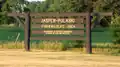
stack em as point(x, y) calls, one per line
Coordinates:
point(99, 35)
point(21, 58)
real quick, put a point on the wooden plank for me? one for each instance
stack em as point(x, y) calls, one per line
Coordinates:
point(56, 38)
point(59, 32)
point(16, 14)
point(51, 14)
point(58, 26)
point(57, 20)
point(59, 14)
point(104, 13)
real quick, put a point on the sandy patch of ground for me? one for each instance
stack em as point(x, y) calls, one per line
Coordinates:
point(20, 58)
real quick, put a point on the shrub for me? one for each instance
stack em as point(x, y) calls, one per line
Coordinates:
point(115, 52)
point(115, 28)
point(79, 44)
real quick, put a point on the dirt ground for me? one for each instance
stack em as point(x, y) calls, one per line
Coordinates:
point(20, 58)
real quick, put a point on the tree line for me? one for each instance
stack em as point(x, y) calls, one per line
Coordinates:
point(56, 6)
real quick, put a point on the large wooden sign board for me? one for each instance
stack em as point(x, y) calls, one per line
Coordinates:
point(57, 26)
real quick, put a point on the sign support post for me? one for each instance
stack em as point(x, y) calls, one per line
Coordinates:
point(88, 34)
point(27, 31)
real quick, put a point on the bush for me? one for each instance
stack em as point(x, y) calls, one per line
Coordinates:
point(79, 44)
point(115, 52)
point(115, 28)
point(107, 48)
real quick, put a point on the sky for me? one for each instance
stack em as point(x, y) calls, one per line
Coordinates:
point(35, 0)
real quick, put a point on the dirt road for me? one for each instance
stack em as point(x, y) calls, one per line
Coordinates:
point(20, 58)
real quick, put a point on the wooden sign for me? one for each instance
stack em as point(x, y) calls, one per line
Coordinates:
point(64, 26)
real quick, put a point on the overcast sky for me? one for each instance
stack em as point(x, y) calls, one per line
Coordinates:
point(35, 0)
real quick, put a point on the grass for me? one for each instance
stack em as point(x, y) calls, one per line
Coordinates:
point(98, 34)
point(100, 48)
point(12, 45)
point(48, 45)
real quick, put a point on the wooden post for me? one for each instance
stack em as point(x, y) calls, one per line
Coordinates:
point(27, 31)
point(88, 34)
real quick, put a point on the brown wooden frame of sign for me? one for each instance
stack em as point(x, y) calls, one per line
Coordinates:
point(28, 20)
point(88, 29)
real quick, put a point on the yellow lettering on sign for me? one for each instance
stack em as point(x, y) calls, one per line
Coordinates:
point(58, 32)
point(57, 26)
point(71, 26)
point(58, 20)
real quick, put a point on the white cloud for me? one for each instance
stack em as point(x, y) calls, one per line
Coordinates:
point(35, 0)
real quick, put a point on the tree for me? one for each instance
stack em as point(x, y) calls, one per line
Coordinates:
point(16, 6)
point(12, 6)
point(73, 6)
point(106, 6)
point(54, 6)
point(1, 3)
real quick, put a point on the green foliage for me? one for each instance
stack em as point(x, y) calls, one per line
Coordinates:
point(73, 6)
point(115, 27)
point(107, 5)
point(11, 6)
point(60, 6)
point(115, 52)
point(14, 5)
point(107, 48)
point(78, 44)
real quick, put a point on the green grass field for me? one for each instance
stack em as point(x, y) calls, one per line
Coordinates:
point(99, 35)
